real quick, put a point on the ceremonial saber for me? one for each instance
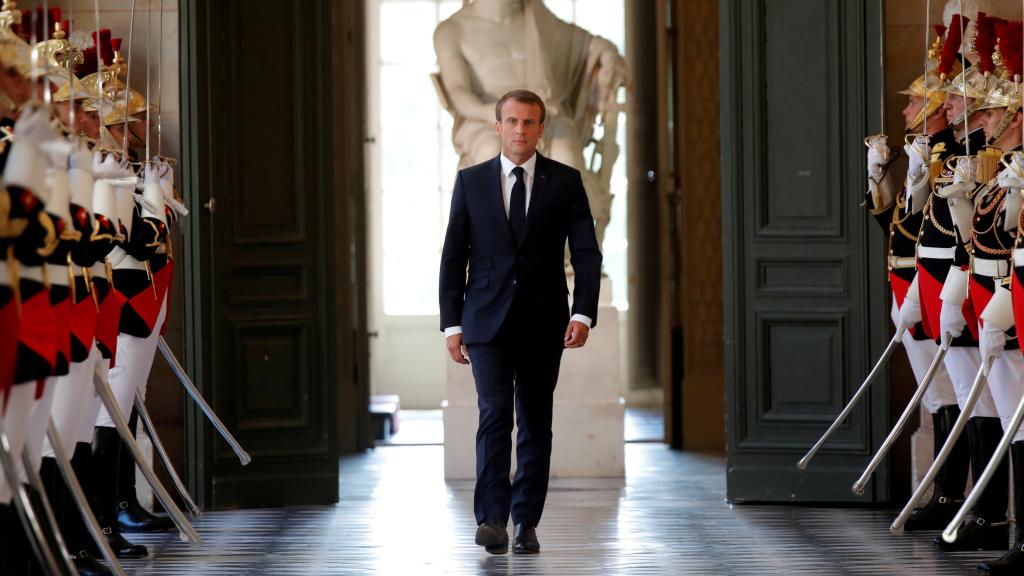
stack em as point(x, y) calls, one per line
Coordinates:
point(183, 377)
point(940, 459)
point(802, 464)
point(147, 422)
point(93, 525)
point(858, 486)
point(188, 533)
point(33, 530)
point(37, 484)
point(950, 533)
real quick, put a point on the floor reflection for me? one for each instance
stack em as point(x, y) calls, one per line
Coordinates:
point(398, 516)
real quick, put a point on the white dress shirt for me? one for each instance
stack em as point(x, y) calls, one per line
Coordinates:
point(507, 181)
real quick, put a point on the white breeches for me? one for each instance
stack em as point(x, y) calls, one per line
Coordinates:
point(130, 373)
point(1006, 380)
point(963, 363)
point(73, 405)
point(15, 421)
point(921, 353)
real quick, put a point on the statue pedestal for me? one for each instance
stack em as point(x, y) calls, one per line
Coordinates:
point(588, 435)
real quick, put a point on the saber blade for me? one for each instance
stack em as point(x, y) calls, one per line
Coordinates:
point(940, 459)
point(71, 480)
point(197, 396)
point(147, 422)
point(188, 533)
point(23, 505)
point(802, 464)
point(950, 533)
point(908, 413)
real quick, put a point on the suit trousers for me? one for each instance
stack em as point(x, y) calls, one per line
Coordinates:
point(515, 372)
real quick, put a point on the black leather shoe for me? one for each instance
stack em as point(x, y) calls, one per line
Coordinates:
point(977, 534)
point(132, 517)
point(935, 515)
point(123, 548)
point(493, 537)
point(89, 566)
point(1013, 561)
point(524, 540)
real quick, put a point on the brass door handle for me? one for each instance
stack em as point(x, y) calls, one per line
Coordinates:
point(211, 205)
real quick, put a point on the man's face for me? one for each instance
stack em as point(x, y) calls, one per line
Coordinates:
point(520, 129)
point(18, 88)
point(87, 122)
point(990, 120)
point(955, 106)
point(993, 116)
point(912, 109)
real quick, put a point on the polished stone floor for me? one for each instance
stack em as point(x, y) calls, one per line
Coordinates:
point(398, 516)
point(422, 427)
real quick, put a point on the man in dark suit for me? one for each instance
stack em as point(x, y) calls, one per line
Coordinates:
point(510, 219)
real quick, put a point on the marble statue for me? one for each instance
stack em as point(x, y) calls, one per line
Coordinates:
point(492, 46)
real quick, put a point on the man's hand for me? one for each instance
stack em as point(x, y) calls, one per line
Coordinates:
point(575, 335)
point(457, 350)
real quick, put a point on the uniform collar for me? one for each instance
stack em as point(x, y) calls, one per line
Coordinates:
point(529, 166)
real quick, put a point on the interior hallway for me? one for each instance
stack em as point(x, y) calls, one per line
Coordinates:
point(398, 516)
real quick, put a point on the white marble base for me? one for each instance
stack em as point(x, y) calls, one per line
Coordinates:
point(588, 415)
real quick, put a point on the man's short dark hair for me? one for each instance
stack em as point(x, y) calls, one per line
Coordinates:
point(521, 96)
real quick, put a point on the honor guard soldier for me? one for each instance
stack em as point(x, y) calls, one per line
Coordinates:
point(923, 113)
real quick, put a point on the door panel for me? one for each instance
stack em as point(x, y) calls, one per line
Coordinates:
point(259, 120)
point(805, 292)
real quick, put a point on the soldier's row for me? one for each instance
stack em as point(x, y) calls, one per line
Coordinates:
point(85, 269)
point(956, 270)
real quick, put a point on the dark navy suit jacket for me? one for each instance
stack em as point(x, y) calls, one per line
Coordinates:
point(480, 237)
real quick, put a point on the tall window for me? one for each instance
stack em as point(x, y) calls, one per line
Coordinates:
point(417, 162)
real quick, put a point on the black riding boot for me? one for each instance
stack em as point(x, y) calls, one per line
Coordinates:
point(1013, 561)
point(76, 535)
point(105, 451)
point(131, 515)
point(948, 490)
point(986, 527)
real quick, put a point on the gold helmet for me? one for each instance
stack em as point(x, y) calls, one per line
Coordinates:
point(974, 84)
point(14, 51)
point(1007, 94)
point(936, 97)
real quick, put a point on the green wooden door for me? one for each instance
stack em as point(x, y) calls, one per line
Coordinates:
point(268, 255)
point(805, 295)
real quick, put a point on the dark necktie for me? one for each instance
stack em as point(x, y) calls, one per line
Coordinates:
point(517, 208)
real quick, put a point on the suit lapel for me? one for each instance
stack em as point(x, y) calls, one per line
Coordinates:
point(537, 195)
point(498, 201)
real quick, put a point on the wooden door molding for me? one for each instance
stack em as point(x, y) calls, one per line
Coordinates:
point(274, 307)
point(804, 284)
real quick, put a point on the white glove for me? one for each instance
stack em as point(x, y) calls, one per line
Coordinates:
point(1012, 177)
point(910, 314)
point(919, 154)
point(878, 156)
point(991, 342)
point(951, 320)
point(966, 170)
